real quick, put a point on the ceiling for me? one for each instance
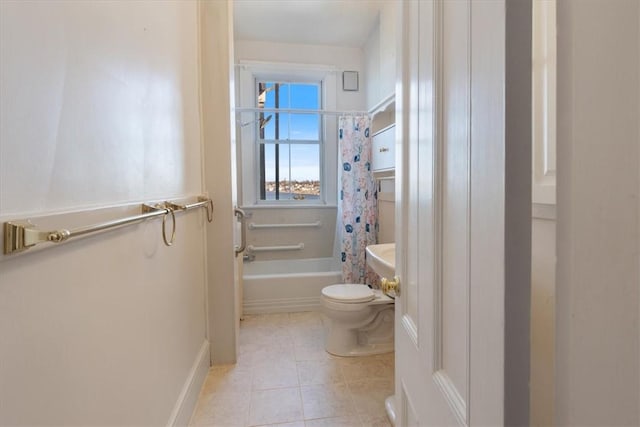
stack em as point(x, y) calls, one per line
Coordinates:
point(325, 22)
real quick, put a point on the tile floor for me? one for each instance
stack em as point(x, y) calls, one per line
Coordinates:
point(284, 377)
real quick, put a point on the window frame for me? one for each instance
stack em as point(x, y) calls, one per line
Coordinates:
point(264, 142)
point(249, 74)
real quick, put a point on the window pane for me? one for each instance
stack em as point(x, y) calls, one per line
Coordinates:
point(284, 100)
point(304, 127)
point(276, 128)
point(300, 168)
point(285, 167)
point(289, 171)
point(286, 126)
point(305, 162)
point(273, 95)
point(266, 94)
point(299, 171)
point(269, 163)
point(304, 96)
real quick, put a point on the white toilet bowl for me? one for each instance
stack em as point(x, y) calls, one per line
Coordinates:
point(358, 320)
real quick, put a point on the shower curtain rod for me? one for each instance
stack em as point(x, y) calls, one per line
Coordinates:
point(299, 111)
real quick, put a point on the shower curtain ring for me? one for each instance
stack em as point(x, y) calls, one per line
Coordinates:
point(164, 227)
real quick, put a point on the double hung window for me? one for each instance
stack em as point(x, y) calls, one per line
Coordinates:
point(289, 140)
point(287, 143)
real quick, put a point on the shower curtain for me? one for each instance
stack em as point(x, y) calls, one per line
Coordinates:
point(358, 198)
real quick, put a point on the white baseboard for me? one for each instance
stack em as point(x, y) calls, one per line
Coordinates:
point(181, 414)
point(283, 305)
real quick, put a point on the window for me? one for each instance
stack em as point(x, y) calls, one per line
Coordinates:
point(288, 142)
point(287, 149)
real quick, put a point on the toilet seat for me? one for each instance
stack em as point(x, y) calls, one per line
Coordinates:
point(348, 294)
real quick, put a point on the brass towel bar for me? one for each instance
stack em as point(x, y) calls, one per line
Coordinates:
point(21, 235)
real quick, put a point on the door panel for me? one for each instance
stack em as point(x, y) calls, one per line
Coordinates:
point(409, 217)
point(454, 246)
point(458, 212)
point(416, 356)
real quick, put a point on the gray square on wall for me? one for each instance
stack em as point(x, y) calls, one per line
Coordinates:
point(350, 80)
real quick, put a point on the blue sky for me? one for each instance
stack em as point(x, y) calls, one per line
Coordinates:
point(301, 160)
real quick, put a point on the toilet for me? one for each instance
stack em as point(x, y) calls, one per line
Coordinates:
point(358, 320)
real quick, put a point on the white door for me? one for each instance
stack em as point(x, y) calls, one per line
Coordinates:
point(463, 209)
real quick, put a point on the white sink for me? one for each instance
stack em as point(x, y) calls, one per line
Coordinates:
point(382, 259)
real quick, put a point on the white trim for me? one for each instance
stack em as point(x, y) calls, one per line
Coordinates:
point(409, 415)
point(543, 211)
point(283, 305)
point(452, 396)
point(186, 403)
point(328, 148)
point(390, 408)
point(411, 328)
point(386, 196)
point(382, 105)
point(385, 174)
point(279, 66)
point(384, 129)
point(544, 101)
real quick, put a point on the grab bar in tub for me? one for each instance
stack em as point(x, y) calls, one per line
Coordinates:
point(254, 226)
point(241, 215)
point(297, 247)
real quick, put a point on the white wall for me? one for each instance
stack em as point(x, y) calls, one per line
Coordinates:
point(388, 46)
point(342, 58)
point(380, 56)
point(544, 101)
point(543, 298)
point(318, 241)
point(114, 88)
point(543, 247)
point(372, 66)
point(219, 158)
point(598, 278)
point(98, 106)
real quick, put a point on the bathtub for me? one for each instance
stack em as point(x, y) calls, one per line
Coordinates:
point(287, 285)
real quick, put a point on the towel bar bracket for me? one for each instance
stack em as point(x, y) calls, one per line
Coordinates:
point(19, 236)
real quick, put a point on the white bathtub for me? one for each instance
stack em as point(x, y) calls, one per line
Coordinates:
point(287, 285)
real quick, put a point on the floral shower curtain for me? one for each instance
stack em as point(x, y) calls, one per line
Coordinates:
point(358, 198)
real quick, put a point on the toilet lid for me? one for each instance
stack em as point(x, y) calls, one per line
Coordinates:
point(348, 293)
